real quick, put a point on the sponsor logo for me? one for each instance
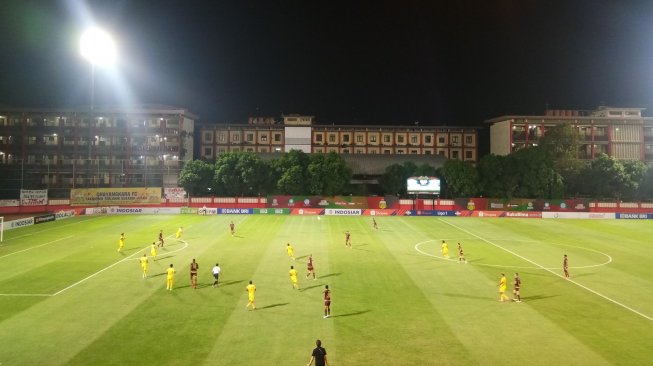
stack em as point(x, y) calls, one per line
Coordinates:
point(633, 216)
point(496, 205)
point(563, 205)
point(596, 215)
point(42, 219)
point(579, 206)
point(127, 210)
point(237, 211)
point(343, 211)
point(307, 202)
point(383, 204)
point(21, 223)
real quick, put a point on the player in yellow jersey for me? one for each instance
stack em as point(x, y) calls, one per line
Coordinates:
point(121, 242)
point(251, 290)
point(503, 284)
point(144, 265)
point(290, 251)
point(445, 249)
point(293, 277)
point(153, 250)
point(178, 234)
point(170, 277)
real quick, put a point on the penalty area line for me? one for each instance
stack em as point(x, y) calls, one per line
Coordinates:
point(550, 271)
point(37, 246)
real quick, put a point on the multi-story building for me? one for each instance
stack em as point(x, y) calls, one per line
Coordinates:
point(265, 135)
point(622, 133)
point(61, 149)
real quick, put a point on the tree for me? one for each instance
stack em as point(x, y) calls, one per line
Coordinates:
point(491, 169)
point(461, 178)
point(393, 180)
point(291, 172)
point(562, 143)
point(254, 174)
point(328, 174)
point(228, 179)
point(635, 172)
point(536, 175)
point(606, 177)
point(196, 177)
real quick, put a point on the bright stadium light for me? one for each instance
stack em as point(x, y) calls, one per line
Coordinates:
point(98, 47)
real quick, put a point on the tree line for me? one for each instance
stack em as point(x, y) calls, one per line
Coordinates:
point(551, 169)
point(246, 174)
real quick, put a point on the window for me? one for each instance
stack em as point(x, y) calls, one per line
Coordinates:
point(318, 138)
point(237, 137)
point(207, 136)
point(441, 140)
point(332, 138)
point(345, 151)
point(454, 154)
point(427, 139)
point(413, 139)
point(427, 152)
point(207, 151)
point(359, 138)
point(372, 138)
point(250, 137)
point(400, 139)
point(469, 140)
point(345, 138)
point(386, 151)
point(264, 138)
point(468, 154)
point(250, 149)
point(277, 137)
point(386, 138)
point(454, 139)
point(414, 151)
point(400, 151)
point(221, 137)
point(359, 151)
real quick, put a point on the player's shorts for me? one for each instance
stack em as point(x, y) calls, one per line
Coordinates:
point(251, 299)
point(216, 275)
point(502, 289)
point(193, 274)
point(293, 279)
point(310, 268)
point(516, 289)
point(327, 302)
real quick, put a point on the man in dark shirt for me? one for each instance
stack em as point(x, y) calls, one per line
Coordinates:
point(319, 355)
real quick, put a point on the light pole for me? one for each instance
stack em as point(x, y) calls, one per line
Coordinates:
point(96, 46)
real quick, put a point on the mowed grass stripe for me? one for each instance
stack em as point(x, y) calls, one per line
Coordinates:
point(598, 324)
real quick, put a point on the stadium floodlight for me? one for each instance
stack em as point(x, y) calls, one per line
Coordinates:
point(98, 47)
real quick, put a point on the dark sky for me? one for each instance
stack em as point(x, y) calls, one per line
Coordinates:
point(377, 62)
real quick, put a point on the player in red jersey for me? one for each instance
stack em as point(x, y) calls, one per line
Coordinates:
point(461, 254)
point(232, 228)
point(565, 266)
point(310, 268)
point(517, 285)
point(160, 238)
point(347, 239)
point(327, 301)
point(193, 273)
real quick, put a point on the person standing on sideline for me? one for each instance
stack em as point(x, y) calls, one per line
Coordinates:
point(170, 278)
point(310, 268)
point(251, 290)
point(319, 355)
point(216, 274)
point(327, 301)
point(461, 254)
point(144, 265)
point(565, 266)
point(517, 287)
point(121, 242)
point(194, 266)
point(290, 251)
point(293, 277)
point(503, 284)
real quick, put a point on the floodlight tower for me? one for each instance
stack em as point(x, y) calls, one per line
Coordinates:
point(96, 46)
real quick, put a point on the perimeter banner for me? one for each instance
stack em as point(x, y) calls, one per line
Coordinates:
point(33, 197)
point(115, 196)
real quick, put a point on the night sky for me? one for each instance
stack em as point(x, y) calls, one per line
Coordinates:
point(377, 62)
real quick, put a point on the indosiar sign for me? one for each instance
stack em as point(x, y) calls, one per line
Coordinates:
point(343, 211)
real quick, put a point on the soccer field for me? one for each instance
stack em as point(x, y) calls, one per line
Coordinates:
point(68, 297)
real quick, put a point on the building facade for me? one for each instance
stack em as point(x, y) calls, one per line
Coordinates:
point(59, 149)
point(622, 133)
point(265, 135)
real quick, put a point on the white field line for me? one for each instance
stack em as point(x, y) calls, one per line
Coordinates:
point(50, 229)
point(110, 266)
point(37, 246)
point(98, 272)
point(550, 271)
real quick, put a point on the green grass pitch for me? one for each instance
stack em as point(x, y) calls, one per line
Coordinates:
point(69, 298)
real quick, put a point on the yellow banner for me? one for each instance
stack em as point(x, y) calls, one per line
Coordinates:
point(114, 196)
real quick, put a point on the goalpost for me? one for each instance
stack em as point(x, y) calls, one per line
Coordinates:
point(2, 228)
